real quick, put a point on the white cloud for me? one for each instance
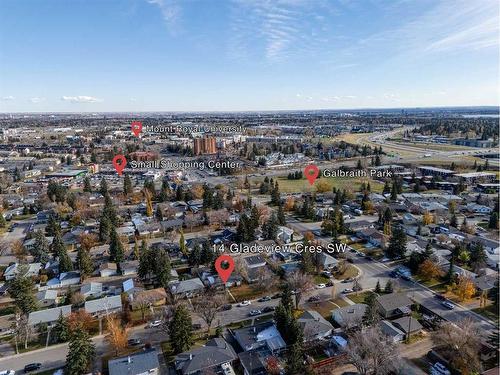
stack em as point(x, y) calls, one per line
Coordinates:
point(170, 11)
point(81, 99)
point(8, 98)
point(36, 100)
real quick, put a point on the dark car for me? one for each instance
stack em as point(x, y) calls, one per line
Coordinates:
point(134, 342)
point(32, 367)
point(227, 307)
point(268, 309)
point(440, 297)
point(368, 258)
point(313, 299)
point(264, 299)
point(330, 283)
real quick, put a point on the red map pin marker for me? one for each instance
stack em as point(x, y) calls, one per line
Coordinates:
point(226, 272)
point(136, 127)
point(311, 172)
point(119, 162)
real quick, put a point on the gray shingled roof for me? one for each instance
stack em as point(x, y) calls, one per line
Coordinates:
point(138, 363)
point(216, 352)
point(394, 300)
point(313, 324)
point(103, 304)
point(48, 315)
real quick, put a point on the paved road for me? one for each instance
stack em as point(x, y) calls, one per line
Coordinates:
point(54, 356)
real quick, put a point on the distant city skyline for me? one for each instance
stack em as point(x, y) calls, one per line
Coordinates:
point(196, 56)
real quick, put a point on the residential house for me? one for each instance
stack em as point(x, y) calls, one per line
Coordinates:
point(263, 336)
point(327, 262)
point(140, 363)
point(253, 363)
point(392, 332)
point(187, 288)
point(285, 234)
point(349, 316)
point(48, 316)
point(393, 305)
point(314, 326)
point(408, 325)
point(216, 357)
point(373, 236)
point(26, 270)
point(129, 267)
point(105, 305)
point(47, 297)
point(91, 290)
point(478, 208)
point(108, 269)
point(486, 282)
point(65, 279)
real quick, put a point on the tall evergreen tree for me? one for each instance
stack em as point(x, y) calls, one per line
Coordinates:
point(40, 249)
point(21, 290)
point(389, 288)
point(84, 262)
point(81, 352)
point(87, 187)
point(116, 251)
point(281, 215)
point(59, 250)
point(127, 185)
point(181, 330)
point(60, 332)
point(103, 187)
point(397, 244)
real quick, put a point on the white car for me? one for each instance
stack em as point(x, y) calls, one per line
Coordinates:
point(448, 305)
point(7, 372)
point(320, 286)
point(154, 323)
point(244, 303)
point(346, 291)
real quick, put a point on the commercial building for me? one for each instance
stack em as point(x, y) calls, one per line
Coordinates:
point(205, 145)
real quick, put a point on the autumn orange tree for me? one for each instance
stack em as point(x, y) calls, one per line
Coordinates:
point(429, 270)
point(117, 335)
point(465, 288)
point(427, 218)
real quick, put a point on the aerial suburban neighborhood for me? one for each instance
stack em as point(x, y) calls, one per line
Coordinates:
point(383, 260)
point(250, 187)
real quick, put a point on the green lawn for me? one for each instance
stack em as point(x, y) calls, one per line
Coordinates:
point(248, 292)
point(320, 279)
point(350, 271)
point(351, 184)
point(360, 297)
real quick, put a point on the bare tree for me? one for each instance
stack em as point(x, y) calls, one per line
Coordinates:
point(300, 282)
point(371, 352)
point(460, 344)
point(208, 307)
point(144, 301)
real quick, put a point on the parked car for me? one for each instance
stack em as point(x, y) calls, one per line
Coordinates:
point(439, 369)
point(348, 280)
point(255, 312)
point(320, 286)
point(330, 283)
point(244, 303)
point(134, 342)
point(268, 309)
point(32, 367)
point(265, 299)
point(7, 372)
point(227, 307)
point(196, 326)
point(313, 299)
point(326, 273)
point(369, 258)
point(448, 305)
point(154, 324)
point(347, 290)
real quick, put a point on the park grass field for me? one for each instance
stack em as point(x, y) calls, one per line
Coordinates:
point(350, 184)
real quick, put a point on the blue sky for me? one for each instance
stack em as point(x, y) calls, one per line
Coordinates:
point(170, 55)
